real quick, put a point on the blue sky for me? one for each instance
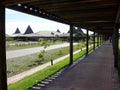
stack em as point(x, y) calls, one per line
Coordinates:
point(20, 20)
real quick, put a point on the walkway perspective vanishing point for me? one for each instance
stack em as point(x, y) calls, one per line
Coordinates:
point(95, 72)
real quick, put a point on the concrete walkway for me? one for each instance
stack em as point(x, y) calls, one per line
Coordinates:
point(24, 52)
point(95, 72)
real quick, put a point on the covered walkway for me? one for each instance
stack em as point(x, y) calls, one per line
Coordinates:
point(95, 72)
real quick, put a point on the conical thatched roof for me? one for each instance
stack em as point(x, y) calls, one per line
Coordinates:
point(28, 30)
point(17, 31)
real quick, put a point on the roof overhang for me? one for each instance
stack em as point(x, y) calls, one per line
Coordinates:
point(97, 15)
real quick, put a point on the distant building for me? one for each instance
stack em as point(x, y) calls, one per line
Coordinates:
point(28, 30)
point(30, 35)
point(17, 31)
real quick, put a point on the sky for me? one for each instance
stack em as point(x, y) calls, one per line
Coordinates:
point(15, 19)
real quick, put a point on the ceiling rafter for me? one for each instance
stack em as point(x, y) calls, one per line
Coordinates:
point(101, 9)
point(81, 15)
point(101, 15)
point(118, 16)
point(12, 2)
point(77, 5)
point(40, 13)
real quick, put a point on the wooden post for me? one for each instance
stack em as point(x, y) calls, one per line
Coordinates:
point(71, 44)
point(115, 45)
point(100, 39)
point(87, 37)
point(3, 76)
point(94, 40)
point(97, 39)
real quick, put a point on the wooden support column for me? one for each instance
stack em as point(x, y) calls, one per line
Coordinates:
point(97, 39)
point(71, 44)
point(87, 38)
point(115, 45)
point(3, 76)
point(94, 40)
point(100, 39)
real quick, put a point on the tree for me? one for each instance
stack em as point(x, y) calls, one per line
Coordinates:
point(45, 44)
point(41, 55)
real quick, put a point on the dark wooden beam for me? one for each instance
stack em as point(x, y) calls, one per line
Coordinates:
point(100, 40)
point(13, 2)
point(95, 25)
point(87, 14)
point(94, 10)
point(94, 40)
point(95, 18)
point(71, 44)
point(97, 39)
point(87, 43)
point(37, 13)
point(115, 44)
point(3, 76)
point(78, 5)
point(63, 3)
point(118, 16)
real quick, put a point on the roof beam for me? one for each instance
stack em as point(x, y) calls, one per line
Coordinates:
point(77, 5)
point(108, 9)
point(39, 13)
point(88, 14)
point(13, 2)
point(85, 19)
point(94, 25)
point(54, 2)
point(118, 16)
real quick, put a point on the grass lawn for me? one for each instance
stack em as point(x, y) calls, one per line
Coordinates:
point(21, 64)
point(119, 61)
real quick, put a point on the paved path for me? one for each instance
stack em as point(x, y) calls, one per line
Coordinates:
point(23, 52)
point(95, 72)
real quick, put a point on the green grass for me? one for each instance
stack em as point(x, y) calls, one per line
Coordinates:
point(119, 61)
point(21, 64)
point(119, 65)
point(23, 45)
point(31, 80)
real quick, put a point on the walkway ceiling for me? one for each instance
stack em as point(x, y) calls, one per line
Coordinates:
point(96, 15)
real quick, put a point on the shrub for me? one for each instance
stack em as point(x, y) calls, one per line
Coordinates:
point(41, 55)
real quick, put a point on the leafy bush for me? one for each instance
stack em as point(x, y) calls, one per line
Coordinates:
point(41, 55)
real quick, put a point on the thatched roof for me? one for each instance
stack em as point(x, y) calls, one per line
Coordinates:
point(28, 30)
point(17, 31)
